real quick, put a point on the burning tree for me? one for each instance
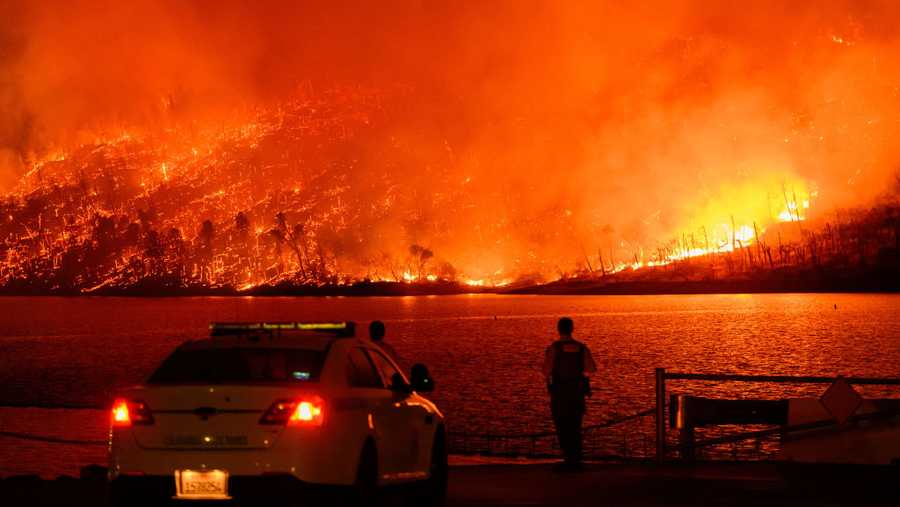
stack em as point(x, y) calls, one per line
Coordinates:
point(322, 190)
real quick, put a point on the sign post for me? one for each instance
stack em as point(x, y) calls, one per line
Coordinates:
point(660, 414)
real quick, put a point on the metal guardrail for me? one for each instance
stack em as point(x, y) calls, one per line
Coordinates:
point(778, 379)
point(660, 408)
point(796, 428)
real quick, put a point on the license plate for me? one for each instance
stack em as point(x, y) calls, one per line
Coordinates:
point(201, 485)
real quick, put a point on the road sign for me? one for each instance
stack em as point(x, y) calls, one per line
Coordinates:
point(841, 400)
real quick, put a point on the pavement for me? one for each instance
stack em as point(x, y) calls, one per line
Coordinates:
point(714, 484)
point(725, 484)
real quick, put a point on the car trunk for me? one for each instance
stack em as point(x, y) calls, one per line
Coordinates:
point(209, 416)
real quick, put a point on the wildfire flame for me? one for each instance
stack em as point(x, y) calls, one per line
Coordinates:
point(285, 146)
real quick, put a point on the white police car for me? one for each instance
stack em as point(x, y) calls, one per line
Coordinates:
point(272, 410)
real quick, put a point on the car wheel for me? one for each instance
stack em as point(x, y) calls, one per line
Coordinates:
point(433, 492)
point(439, 468)
point(365, 488)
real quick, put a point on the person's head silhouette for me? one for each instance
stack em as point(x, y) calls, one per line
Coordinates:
point(565, 326)
point(376, 330)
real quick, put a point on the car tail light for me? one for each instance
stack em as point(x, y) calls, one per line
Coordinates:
point(300, 412)
point(128, 412)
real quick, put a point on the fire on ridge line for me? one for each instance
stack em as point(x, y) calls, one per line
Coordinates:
point(731, 219)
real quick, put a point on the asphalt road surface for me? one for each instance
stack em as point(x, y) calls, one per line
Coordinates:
point(725, 484)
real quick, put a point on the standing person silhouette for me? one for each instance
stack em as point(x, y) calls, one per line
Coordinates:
point(376, 334)
point(566, 364)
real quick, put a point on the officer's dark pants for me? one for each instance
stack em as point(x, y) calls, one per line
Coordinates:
point(567, 407)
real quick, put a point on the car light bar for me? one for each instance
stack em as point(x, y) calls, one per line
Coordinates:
point(245, 328)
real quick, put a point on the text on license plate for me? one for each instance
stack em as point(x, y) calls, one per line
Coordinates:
point(206, 484)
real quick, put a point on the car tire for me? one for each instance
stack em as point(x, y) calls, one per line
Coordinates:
point(440, 469)
point(365, 488)
point(433, 491)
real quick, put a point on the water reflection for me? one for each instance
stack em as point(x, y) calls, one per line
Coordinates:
point(484, 350)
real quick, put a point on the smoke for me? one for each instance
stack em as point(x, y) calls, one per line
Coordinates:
point(566, 127)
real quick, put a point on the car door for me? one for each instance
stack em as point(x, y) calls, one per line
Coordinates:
point(412, 416)
point(386, 415)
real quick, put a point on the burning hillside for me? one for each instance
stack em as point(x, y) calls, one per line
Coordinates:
point(300, 146)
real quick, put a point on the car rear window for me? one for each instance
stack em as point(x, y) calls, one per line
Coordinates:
point(239, 366)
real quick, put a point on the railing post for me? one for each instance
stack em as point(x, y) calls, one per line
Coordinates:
point(660, 414)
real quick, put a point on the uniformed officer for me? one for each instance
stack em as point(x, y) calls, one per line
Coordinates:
point(376, 334)
point(566, 364)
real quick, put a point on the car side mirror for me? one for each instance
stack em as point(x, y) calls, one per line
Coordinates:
point(420, 380)
point(399, 385)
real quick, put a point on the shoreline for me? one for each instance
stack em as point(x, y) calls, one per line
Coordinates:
point(876, 280)
point(615, 289)
point(641, 288)
point(361, 289)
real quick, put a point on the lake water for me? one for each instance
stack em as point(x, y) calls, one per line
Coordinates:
point(484, 351)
